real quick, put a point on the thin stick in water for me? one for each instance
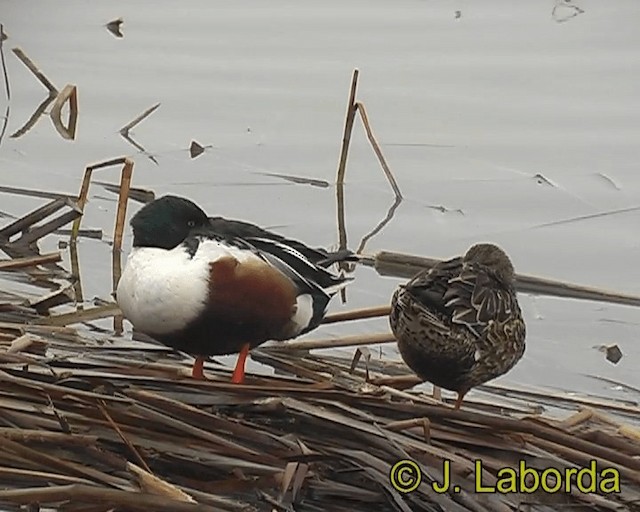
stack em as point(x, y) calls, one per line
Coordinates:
point(125, 129)
point(342, 167)
point(376, 148)
point(53, 90)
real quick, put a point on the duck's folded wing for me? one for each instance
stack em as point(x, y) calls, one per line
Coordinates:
point(476, 297)
point(428, 288)
point(247, 231)
point(321, 277)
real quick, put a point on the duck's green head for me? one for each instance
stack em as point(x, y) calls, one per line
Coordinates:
point(166, 222)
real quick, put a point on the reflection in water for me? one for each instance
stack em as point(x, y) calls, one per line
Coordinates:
point(7, 89)
point(58, 98)
point(5, 122)
point(124, 131)
point(390, 213)
point(40, 109)
point(299, 180)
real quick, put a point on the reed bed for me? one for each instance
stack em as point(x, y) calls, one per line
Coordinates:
point(94, 422)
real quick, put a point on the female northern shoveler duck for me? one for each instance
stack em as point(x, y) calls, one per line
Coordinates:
point(459, 324)
point(212, 286)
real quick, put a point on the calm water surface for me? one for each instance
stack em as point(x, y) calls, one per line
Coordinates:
point(470, 101)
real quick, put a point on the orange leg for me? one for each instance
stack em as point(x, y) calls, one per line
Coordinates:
point(459, 400)
point(238, 372)
point(198, 367)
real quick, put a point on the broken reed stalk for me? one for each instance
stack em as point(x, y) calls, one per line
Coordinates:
point(123, 197)
point(345, 341)
point(82, 201)
point(123, 200)
point(352, 108)
point(357, 314)
point(53, 91)
point(342, 164)
point(35, 193)
point(31, 234)
point(86, 315)
point(103, 409)
point(116, 273)
point(348, 128)
point(4, 65)
point(376, 148)
point(129, 500)
point(30, 261)
point(77, 278)
point(407, 266)
point(68, 94)
point(125, 129)
point(153, 485)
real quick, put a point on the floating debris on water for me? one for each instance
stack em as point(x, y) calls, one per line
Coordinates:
point(195, 149)
point(115, 27)
point(612, 352)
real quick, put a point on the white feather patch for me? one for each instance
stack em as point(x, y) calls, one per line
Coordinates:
point(162, 291)
point(304, 312)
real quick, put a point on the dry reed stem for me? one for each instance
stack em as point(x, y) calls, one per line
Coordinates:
point(103, 408)
point(75, 272)
point(376, 148)
point(424, 423)
point(125, 184)
point(30, 261)
point(69, 93)
point(124, 131)
point(407, 266)
point(134, 501)
point(85, 315)
point(348, 128)
point(357, 314)
point(123, 199)
point(29, 234)
point(53, 91)
point(82, 201)
point(153, 485)
point(342, 167)
point(116, 273)
point(35, 193)
point(346, 341)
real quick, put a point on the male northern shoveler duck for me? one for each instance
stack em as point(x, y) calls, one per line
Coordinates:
point(459, 324)
point(211, 286)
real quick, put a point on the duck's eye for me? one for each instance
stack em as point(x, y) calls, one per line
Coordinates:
point(191, 223)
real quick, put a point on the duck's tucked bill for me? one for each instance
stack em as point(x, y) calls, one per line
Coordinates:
point(212, 286)
point(459, 324)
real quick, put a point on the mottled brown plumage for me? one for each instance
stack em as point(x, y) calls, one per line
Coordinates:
point(459, 324)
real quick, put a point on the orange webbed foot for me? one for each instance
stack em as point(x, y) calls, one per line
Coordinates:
point(238, 372)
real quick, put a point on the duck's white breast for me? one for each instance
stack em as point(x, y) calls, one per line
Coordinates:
point(161, 291)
